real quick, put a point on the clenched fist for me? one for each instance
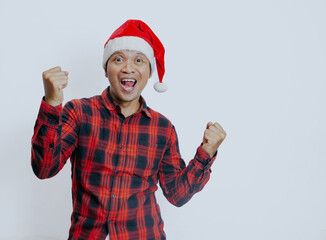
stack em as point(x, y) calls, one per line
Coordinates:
point(213, 137)
point(54, 81)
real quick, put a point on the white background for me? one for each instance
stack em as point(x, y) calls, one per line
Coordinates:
point(257, 67)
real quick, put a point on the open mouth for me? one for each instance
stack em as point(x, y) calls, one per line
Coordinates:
point(128, 84)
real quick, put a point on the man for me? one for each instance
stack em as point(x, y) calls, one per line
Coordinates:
point(119, 148)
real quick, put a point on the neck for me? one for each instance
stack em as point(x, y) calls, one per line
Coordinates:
point(127, 108)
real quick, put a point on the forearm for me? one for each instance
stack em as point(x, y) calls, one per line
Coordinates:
point(179, 187)
point(46, 142)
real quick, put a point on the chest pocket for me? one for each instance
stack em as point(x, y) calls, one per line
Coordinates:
point(149, 155)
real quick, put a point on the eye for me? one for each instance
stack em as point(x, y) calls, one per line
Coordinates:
point(139, 60)
point(118, 59)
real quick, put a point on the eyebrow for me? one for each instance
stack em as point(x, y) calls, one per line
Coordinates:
point(140, 53)
point(121, 53)
point(117, 53)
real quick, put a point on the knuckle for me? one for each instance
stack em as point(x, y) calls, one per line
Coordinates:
point(45, 75)
point(52, 79)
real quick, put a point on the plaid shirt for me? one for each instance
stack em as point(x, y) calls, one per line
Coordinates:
point(116, 165)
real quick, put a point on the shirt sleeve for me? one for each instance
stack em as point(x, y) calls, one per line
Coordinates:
point(178, 181)
point(54, 139)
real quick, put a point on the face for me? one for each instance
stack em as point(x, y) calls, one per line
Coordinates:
point(128, 72)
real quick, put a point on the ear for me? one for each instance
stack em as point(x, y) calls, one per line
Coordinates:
point(106, 69)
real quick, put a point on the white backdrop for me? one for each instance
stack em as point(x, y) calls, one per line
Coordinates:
point(256, 67)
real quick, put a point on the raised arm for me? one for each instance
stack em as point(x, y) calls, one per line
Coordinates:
point(180, 182)
point(56, 129)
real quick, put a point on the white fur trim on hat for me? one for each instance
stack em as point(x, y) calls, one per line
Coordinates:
point(128, 43)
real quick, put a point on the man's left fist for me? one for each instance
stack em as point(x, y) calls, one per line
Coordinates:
point(213, 137)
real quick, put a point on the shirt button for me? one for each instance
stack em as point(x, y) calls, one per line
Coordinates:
point(114, 196)
point(121, 147)
point(117, 172)
point(110, 221)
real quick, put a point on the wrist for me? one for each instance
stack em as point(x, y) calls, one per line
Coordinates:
point(51, 102)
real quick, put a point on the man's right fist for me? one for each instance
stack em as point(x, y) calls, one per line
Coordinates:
point(54, 81)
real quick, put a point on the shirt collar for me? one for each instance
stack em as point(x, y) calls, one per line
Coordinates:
point(111, 105)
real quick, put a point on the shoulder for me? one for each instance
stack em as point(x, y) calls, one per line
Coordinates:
point(84, 105)
point(162, 120)
point(166, 129)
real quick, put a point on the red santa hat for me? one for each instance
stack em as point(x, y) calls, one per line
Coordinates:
point(136, 35)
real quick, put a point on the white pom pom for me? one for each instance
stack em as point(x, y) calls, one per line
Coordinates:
point(160, 87)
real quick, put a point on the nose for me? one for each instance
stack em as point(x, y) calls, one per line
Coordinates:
point(128, 67)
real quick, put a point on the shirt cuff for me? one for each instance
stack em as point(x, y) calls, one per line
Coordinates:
point(203, 160)
point(49, 115)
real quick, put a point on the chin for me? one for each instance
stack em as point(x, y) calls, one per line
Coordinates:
point(128, 97)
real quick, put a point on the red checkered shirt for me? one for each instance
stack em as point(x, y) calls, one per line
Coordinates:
point(117, 163)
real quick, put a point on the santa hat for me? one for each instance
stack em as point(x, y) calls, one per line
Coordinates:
point(136, 35)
